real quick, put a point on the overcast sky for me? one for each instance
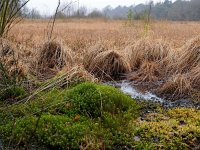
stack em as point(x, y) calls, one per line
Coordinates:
point(48, 6)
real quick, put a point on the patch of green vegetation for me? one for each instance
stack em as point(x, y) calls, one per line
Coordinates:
point(93, 116)
point(94, 100)
point(176, 129)
point(88, 99)
point(51, 130)
point(12, 93)
point(88, 115)
point(45, 102)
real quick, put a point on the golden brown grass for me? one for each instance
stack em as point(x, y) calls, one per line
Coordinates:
point(165, 54)
point(148, 50)
point(79, 73)
point(109, 65)
point(92, 52)
point(31, 33)
point(148, 72)
point(148, 60)
point(189, 57)
point(52, 57)
point(194, 75)
point(10, 59)
point(178, 86)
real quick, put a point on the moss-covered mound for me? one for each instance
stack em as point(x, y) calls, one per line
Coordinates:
point(87, 116)
point(94, 100)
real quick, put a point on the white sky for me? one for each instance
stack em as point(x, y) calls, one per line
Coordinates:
point(48, 6)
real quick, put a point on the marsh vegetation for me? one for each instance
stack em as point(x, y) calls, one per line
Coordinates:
point(55, 92)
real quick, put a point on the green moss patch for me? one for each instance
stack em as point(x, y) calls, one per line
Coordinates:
point(93, 116)
point(88, 115)
point(178, 128)
point(51, 130)
point(12, 93)
point(93, 100)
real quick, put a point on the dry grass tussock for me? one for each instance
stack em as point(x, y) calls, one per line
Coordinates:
point(148, 50)
point(109, 65)
point(10, 59)
point(178, 86)
point(148, 60)
point(189, 57)
point(52, 57)
point(148, 72)
point(194, 75)
point(92, 52)
point(186, 71)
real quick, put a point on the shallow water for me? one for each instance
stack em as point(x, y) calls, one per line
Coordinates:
point(129, 88)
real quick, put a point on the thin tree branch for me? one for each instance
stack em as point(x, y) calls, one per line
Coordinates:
point(54, 19)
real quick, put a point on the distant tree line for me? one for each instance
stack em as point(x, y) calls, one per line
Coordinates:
point(178, 10)
point(167, 10)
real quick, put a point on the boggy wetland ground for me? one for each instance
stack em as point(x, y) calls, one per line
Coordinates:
point(61, 100)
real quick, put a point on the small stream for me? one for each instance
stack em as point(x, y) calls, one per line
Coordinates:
point(129, 88)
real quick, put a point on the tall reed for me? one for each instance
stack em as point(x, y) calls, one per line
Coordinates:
point(9, 13)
